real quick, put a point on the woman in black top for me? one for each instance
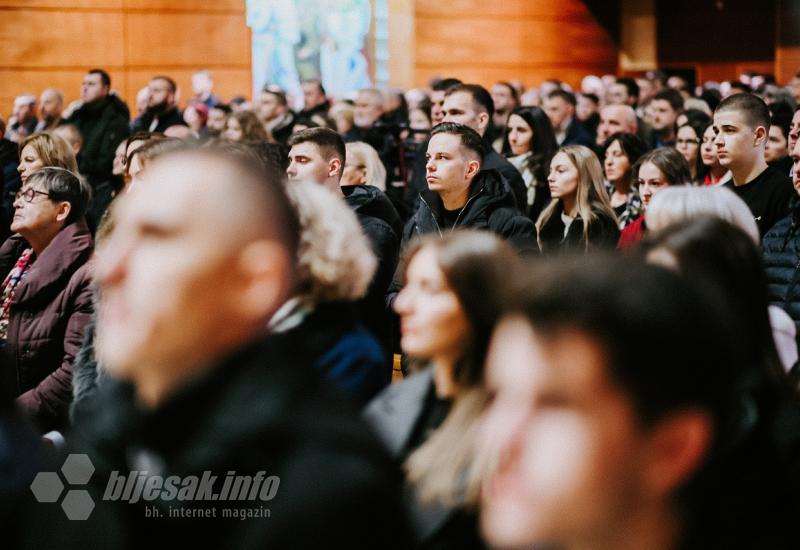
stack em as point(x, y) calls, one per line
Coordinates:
point(579, 217)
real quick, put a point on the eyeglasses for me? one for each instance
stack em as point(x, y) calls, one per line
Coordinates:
point(30, 194)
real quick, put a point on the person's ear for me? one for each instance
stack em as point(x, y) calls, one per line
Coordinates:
point(62, 211)
point(334, 167)
point(761, 136)
point(675, 450)
point(262, 268)
point(473, 167)
point(483, 122)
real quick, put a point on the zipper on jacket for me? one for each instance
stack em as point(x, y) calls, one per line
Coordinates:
point(464, 208)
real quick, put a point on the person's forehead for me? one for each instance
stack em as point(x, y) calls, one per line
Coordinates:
point(729, 117)
point(661, 104)
point(444, 143)
point(92, 78)
point(649, 170)
point(306, 149)
point(460, 99)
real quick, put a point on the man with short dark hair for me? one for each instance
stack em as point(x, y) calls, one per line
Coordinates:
point(472, 105)
point(560, 108)
point(162, 109)
point(462, 194)
point(103, 122)
point(274, 113)
point(217, 115)
point(437, 98)
point(741, 122)
point(318, 155)
point(625, 91)
point(201, 258)
point(666, 105)
point(505, 99)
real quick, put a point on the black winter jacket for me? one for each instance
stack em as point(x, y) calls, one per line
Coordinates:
point(172, 117)
point(781, 248)
point(603, 233)
point(103, 125)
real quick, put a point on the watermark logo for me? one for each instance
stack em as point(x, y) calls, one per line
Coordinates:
point(136, 486)
point(76, 471)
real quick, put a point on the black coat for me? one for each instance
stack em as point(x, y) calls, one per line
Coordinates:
point(381, 224)
point(577, 134)
point(262, 409)
point(603, 233)
point(103, 125)
point(172, 117)
point(491, 206)
point(781, 248)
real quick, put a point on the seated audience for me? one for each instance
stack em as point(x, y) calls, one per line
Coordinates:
point(621, 153)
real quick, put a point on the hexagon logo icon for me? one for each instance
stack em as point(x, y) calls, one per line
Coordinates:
point(47, 487)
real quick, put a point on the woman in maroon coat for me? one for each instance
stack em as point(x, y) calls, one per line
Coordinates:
point(45, 299)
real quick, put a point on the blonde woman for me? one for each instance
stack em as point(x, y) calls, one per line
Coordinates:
point(335, 265)
point(580, 216)
point(45, 149)
point(363, 166)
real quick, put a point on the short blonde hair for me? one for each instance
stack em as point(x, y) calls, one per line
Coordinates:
point(364, 155)
point(686, 203)
point(53, 150)
point(335, 260)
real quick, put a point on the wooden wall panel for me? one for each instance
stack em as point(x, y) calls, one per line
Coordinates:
point(482, 41)
point(132, 39)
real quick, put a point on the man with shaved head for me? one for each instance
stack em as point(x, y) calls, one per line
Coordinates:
point(613, 119)
point(201, 257)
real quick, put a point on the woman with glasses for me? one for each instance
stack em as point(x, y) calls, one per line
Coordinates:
point(45, 299)
point(689, 138)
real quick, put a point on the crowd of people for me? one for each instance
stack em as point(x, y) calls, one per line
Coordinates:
point(450, 317)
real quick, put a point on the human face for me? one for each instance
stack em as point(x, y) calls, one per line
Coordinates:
point(312, 96)
point(687, 144)
point(437, 107)
point(586, 107)
point(617, 94)
point(708, 151)
point(29, 162)
point(433, 324)
point(738, 144)
point(777, 145)
point(663, 115)
point(216, 121)
point(520, 135)
point(563, 178)
point(38, 219)
point(651, 181)
point(92, 88)
point(171, 274)
point(613, 119)
point(459, 107)
point(233, 130)
point(794, 130)
point(447, 168)
point(796, 167)
point(307, 163)
point(50, 105)
point(269, 107)
point(558, 110)
point(503, 100)
point(118, 166)
point(565, 437)
point(23, 108)
point(354, 172)
point(367, 110)
point(616, 164)
point(417, 120)
point(160, 94)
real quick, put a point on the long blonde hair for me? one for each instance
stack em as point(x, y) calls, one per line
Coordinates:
point(53, 150)
point(591, 196)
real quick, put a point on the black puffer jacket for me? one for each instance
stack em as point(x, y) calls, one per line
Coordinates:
point(491, 206)
point(603, 234)
point(781, 247)
point(382, 226)
point(103, 125)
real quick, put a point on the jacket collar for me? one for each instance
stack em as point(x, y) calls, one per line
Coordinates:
point(69, 249)
point(488, 183)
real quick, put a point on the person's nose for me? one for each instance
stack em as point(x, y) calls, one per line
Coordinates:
point(110, 262)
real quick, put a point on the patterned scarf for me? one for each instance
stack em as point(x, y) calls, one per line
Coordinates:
point(9, 286)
